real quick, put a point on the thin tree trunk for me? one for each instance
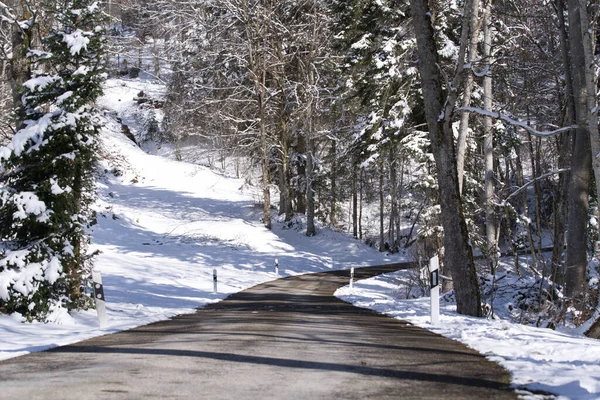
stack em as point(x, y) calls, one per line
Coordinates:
point(332, 204)
point(538, 195)
point(560, 210)
point(285, 198)
point(20, 65)
point(509, 222)
point(525, 209)
point(458, 255)
point(264, 151)
point(354, 205)
point(463, 128)
point(285, 195)
point(400, 193)
point(534, 175)
point(301, 189)
point(393, 235)
point(488, 147)
point(156, 56)
point(381, 206)
point(310, 190)
point(565, 146)
point(360, 204)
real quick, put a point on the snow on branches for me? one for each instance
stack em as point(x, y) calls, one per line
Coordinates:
point(46, 170)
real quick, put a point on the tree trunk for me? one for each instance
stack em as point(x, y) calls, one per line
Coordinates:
point(301, 178)
point(565, 146)
point(264, 151)
point(20, 65)
point(509, 221)
point(285, 197)
point(393, 235)
point(156, 57)
point(354, 204)
point(581, 160)
point(463, 128)
point(310, 190)
point(488, 147)
point(310, 187)
point(458, 255)
point(578, 215)
point(333, 197)
point(525, 209)
point(534, 174)
point(360, 203)
point(381, 206)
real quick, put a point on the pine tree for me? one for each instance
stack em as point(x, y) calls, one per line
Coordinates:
point(377, 45)
point(47, 170)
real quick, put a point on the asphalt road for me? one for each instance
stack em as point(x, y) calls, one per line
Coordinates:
point(286, 339)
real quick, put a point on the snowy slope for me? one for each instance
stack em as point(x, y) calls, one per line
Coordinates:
point(163, 227)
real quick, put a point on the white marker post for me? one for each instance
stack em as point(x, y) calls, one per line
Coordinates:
point(99, 298)
point(215, 281)
point(434, 282)
point(351, 277)
point(276, 267)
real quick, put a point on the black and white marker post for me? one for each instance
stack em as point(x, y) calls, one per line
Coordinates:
point(351, 277)
point(215, 281)
point(434, 282)
point(276, 267)
point(99, 298)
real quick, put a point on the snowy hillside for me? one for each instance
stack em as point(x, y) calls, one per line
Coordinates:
point(163, 227)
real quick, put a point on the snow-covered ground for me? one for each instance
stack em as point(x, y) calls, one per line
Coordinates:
point(163, 227)
point(539, 360)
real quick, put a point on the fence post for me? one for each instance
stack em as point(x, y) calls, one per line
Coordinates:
point(434, 282)
point(99, 298)
point(215, 281)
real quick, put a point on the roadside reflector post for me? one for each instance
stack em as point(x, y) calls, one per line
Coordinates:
point(276, 267)
point(351, 277)
point(99, 298)
point(214, 280)
point(434, 282)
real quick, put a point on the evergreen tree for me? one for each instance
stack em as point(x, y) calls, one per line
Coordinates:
point(378, 48)
point(47, 170)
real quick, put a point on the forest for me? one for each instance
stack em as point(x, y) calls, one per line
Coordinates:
point(464, 129)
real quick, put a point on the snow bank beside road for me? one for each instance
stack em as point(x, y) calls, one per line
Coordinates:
point(538, 359)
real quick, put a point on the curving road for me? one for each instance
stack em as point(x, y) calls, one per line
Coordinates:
point(285, 339)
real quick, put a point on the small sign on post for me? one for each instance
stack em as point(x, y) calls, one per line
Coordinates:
point(99, 298)
point(276, 267)
point(351, 277)
point(215, 281)
point(434, 282)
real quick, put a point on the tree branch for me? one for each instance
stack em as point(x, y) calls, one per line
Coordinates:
point(531, 182)
point(519, 124)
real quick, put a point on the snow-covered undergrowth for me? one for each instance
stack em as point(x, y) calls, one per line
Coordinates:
point(163, 227)
point(539, 359)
